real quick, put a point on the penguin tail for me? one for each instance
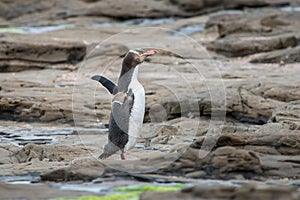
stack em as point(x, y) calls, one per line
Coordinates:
point(108, 84)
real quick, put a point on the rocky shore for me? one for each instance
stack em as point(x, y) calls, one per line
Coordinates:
point(222, 97)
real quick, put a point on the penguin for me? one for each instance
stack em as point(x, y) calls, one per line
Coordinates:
point(128, 104)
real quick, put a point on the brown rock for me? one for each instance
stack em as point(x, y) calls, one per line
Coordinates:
point(38, 191)
point(89, 170)
point(268, 141)
point(207, 192)
point(35, 109)
point(266, 192)
point(107, 50)
point(166, 195)
point(231, 46)
point(244, 192)
point(228, 159)
point(289, 55)
point(49, 152)
point(285, 92)
point(288, 114)
point(196, 174)
point(262, 149)
point(250, 33)
point(244, 105)
point(5, 156)
point(39, 53)
point(63, 9)
point(229, 140)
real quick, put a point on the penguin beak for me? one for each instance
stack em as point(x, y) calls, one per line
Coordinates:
point(150, 52)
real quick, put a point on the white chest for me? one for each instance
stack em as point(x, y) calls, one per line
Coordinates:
point(137, 113)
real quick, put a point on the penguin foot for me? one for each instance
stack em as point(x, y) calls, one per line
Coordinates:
point(124, 156)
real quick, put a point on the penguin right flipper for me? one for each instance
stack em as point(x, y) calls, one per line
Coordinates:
point(119, 123)
point(108, 84)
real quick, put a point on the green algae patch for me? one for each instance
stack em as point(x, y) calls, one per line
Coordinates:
point(130, 193)
point(11, 30)
point(123, 196)
point(156, 188)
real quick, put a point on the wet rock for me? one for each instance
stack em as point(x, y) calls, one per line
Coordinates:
point(15, 8)
point(38, 191)
point(241, 103)
point(244, 105)
point(47, 12)
point(246, 192)
point(22, 109)
point(279, 140)
point(157, 113)
point(51, 153)
point(230, 140)
point(133, 9)
point(284, 166)
point(250, 33)
point(5, 156)
point(239, 127)
point(249, 154)
point(158, 133)
point(245, 45)
point(288, 114)
point(23, 52)
point(227, 160)
point(83, 170)
point(196, 174)
point(262, 149)
point(11, 108)
point(281, 56)
point(107, 50)
point(249, 24)
point(166, 195)
point(285, 92)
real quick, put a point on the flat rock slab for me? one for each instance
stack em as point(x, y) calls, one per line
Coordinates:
point(19, 53)
point(250, 33)
point(290, 55)
point(250, 45)
point(47, 12)
point(289, 115)
point(248, 191)
point(21, 191)
point(82, 170)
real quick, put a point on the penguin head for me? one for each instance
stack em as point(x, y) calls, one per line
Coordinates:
point(137, 56)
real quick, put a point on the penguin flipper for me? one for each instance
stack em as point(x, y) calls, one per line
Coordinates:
point(121, 108)
point(108, 84)
point(118, 124)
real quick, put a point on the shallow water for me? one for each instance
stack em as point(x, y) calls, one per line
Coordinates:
point(35, 29)
point(135, 22)
point(103, 187)
point(290, 9)
point(147, 22)
point(23, 136)
point(21, 179)
point(191, 29)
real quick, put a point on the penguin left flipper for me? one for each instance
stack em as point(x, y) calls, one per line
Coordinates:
point(108, 84)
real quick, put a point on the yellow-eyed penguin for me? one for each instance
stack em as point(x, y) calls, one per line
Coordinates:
point(128, 104)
